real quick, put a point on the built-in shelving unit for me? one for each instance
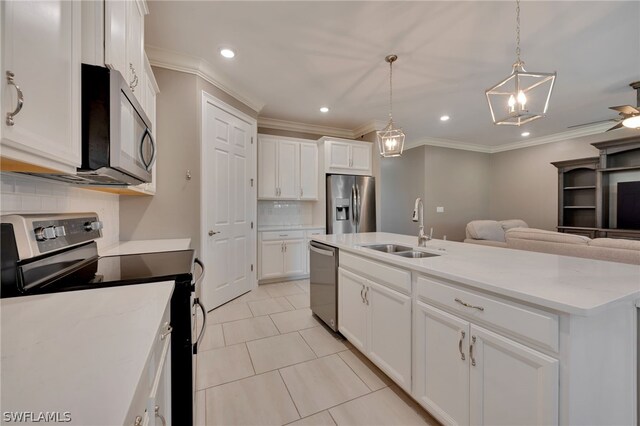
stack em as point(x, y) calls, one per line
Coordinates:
point(587, 189)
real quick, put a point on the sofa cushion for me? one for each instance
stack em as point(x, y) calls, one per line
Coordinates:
point(513, 223)
point(547, 236)
point(485, 230)
point(617, 243)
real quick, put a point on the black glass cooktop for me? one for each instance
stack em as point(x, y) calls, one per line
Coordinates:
point(111, 271)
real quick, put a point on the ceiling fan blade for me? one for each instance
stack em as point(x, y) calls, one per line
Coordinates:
point(625, 109)
point(590, 123)
point(617, 126)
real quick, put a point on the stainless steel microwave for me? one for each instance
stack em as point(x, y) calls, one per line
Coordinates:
point(118, 146)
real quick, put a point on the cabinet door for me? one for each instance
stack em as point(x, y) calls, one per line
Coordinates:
point(135, 49)
point(308, 171)
point(271, 259)
point(389, 335)
point(352, 310)
point(361, 157)
point(41, 47)
point(511, 384)
point(294, 257)
point(339, 155)
point(115, 35)
point(287, 169)
point(267, 167)
point(441, 367)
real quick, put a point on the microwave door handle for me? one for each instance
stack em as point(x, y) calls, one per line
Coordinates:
point(144, 136)
point(153, 150)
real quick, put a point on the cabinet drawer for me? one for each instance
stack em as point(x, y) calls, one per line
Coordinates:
point(529, 323)
point(389, 276)
point(281, 235)
point(311, 232)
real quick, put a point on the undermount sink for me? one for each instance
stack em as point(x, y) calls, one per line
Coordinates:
point(388, 248)
point(415, 254)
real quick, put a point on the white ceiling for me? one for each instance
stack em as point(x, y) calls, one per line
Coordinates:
point(297, 56)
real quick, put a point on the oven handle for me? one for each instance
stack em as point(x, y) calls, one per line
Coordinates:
point(196, 301)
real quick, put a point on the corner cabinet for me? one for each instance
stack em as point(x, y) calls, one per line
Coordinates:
point(41, 106)
point(343, 156)
point(287, 169)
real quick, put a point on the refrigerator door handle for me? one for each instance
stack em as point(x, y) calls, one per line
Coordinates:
point(353, 204)
point(358, 206)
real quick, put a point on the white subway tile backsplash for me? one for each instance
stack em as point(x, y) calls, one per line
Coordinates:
point(28, 194)
point(285, 213)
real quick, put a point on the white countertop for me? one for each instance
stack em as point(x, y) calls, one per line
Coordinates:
point(81, 351)
point(566, 284)
point(146, 246)
point(262, 228)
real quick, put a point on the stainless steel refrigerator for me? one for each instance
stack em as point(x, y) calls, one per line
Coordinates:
point(351, 204)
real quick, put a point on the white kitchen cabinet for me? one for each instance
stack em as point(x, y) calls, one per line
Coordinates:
point(115, 34)
point(135, 48)
point(288, 169)
point(281, 254)
point(308, 235)
point(308, 171)
point(465, 374)
point(41, 59)
point(377, 321)
point(346, 156)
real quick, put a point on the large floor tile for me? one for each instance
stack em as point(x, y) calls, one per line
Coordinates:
point(278, 351)
point(248, 329)
point(304, 285)
point(368, 373)
point(322, 341)
point(226, 313)
point(299, 301)
point(283, 289)
point(213, 338)
point(258, 400)
point(223, 365)
point(322, 383)
point(382, 407)
point(256, 294)
point(270, 306)
point(294, 320)
point(323, 418)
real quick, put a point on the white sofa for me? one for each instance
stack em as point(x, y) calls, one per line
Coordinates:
point(539, 240)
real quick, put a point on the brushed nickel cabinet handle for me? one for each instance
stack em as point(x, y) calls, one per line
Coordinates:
point(473, 342)
point(168, 330)
point(480, 308)
point(134, 82)
point(362, 293)
point(162, 419)
point(366, 296)
point(462, 334)
point(10, 80)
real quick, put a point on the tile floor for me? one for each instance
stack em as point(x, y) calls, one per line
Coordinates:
point(265, 360)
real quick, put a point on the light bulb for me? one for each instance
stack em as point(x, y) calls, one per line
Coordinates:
point(522, 99)
point(391, 143)
point(632, 122)
point(511, 103)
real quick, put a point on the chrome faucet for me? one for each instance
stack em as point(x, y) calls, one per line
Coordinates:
point(418, 212)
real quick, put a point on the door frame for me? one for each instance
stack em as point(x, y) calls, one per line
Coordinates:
point(252, 208)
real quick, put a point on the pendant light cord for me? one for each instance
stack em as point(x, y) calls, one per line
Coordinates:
point(390, 91)
point(518, 32)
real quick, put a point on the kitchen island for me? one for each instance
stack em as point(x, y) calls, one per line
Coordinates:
point(484, 335)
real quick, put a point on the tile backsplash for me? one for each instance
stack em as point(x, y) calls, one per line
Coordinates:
point(284, 213)
point(29, 194)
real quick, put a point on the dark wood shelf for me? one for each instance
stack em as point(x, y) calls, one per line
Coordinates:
point(579, 207)
point(568, 188)
point(618, 169)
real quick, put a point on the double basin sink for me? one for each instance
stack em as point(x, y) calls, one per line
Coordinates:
point(403, 251)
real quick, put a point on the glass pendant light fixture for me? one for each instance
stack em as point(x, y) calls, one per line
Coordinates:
point(390, 139)
point(523, 96)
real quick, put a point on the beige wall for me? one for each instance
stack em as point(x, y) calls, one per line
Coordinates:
point(174, 212)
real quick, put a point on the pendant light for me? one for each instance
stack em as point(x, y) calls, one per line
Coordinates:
point(523, 96)
point(390, 139)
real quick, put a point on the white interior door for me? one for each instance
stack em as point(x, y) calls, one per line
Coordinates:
point(228, 204)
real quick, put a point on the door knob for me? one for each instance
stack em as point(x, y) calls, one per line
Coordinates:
point(212, 233)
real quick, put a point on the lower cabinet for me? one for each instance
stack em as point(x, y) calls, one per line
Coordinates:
point(465, 374)
point(377, 321)
point(282, 258)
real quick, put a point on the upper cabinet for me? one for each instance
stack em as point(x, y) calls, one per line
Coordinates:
point(40, 106)
point(344, 156)
point(287, 169)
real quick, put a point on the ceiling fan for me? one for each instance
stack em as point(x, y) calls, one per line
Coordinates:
point(629, 116)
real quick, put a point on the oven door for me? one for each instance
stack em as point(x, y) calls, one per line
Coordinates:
point(133, 148)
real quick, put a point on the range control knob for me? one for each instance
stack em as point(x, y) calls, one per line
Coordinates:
point(93, 226)
point(44, 234)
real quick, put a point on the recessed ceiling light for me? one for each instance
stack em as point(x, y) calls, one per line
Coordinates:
point(525, 134)
point(444, 118)
point(324, 109)
point(227, 53)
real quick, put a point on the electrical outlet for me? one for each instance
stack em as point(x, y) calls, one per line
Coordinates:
point(439, 209)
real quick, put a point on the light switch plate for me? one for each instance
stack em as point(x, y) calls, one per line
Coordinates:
point(439, 209)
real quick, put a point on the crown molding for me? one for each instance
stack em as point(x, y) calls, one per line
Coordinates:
point(445, 143)
point(292, 126)
point(164, 58)
point(371, 126)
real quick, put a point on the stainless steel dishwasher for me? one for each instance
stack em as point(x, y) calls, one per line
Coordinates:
point(324, 282)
